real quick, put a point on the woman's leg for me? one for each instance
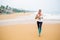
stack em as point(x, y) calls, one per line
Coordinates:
point(38, 27)
point(39, 24)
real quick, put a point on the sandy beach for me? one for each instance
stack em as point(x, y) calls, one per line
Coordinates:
point(28, 31)
point(13, 15)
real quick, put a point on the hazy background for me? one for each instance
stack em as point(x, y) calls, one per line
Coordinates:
point(46, 5)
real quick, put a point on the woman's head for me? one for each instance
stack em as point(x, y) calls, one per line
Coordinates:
point(39, 12)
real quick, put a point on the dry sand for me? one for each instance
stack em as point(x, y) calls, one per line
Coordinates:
point(29, 31)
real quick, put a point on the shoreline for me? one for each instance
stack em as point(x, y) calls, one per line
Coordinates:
point(18, 21)
point(27, 22)
point(23, 18)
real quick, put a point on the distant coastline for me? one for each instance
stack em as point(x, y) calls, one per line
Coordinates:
point(8, 10)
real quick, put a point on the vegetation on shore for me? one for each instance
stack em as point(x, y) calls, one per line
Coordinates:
point(8, 10)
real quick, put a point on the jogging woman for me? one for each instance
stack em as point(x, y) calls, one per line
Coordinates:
point(39, 19)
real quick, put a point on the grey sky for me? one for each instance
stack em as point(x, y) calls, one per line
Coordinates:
point(45, 5)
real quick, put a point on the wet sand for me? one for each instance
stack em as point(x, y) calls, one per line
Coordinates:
point(13, 15)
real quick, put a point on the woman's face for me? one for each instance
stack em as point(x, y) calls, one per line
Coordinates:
point(39, 10)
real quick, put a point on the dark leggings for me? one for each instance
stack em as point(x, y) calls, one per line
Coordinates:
point(39, 24)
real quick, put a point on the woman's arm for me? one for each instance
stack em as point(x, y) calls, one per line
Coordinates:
point(36, 16)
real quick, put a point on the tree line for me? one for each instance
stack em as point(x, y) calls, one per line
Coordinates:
point(7, 10)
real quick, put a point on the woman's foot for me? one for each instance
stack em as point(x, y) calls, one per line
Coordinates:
point(39, 35)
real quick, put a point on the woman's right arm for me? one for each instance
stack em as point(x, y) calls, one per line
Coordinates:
point(36, 17)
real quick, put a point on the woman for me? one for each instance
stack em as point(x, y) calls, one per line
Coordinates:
point(39, 20)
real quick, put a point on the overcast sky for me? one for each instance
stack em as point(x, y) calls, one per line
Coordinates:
point(45, 5)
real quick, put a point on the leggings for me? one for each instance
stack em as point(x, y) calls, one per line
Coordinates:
point(39, 24)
